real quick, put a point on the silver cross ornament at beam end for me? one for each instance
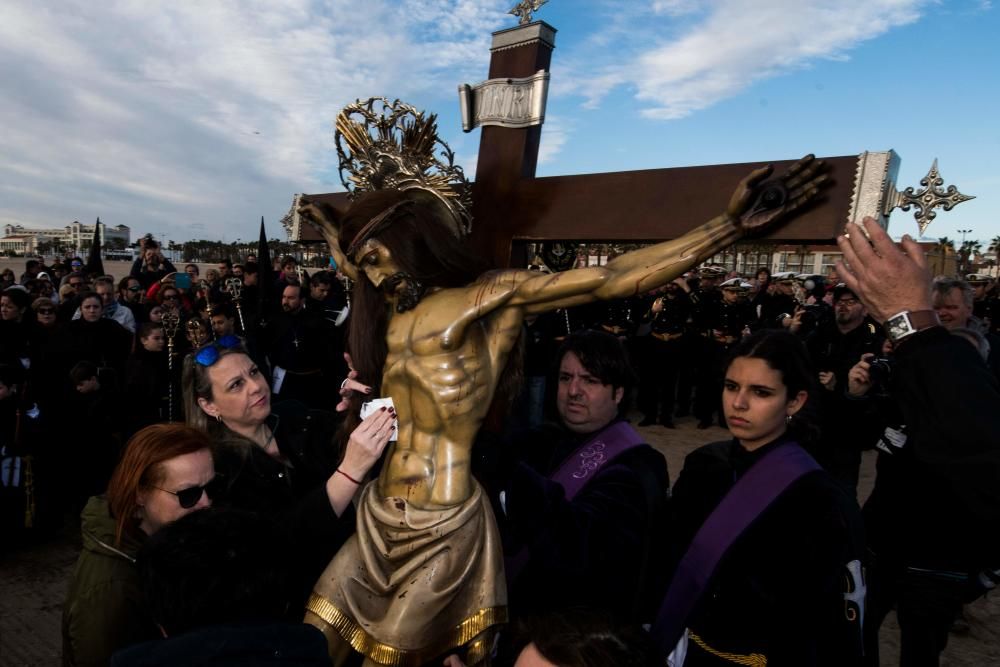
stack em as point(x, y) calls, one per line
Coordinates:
point(927, 199)
point(523, 10)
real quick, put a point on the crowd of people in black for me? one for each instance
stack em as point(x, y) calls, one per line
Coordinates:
point(89, 360)
point(228, 395)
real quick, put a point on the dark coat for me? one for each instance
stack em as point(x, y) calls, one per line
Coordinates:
point(936, 500)
point(104, 610)
point(295, 494)
point(590, 551)
point(147, 389)
point(146, 276)
point(104, 343)
point(288, 645)
point(779, 590)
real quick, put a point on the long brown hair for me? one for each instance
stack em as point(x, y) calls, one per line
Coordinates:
point(423, 247)
point(140, 468)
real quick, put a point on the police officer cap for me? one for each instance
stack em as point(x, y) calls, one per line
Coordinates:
point(711, 271)
point(783, 276)
point(977, 278)
point(735, 283)
point(840, 289)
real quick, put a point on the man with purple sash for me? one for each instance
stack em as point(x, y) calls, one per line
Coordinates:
point(581, 504)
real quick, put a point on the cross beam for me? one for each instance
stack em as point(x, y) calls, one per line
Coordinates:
point(510, 205)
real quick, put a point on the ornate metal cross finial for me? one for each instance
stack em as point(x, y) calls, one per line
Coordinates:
point(523, 9)
point(927, 199)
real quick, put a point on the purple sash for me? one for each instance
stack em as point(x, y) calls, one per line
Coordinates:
point(580, 467)
point(753, 493)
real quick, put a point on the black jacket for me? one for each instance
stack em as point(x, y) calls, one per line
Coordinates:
point(593, 550)
point(287, 645)
point(295, 495)
point(779, 589)
point(936, 502)
point(146, 276)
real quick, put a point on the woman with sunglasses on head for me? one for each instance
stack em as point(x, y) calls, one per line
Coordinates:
point(165, 473)
point(768, 546)
point(281, 460)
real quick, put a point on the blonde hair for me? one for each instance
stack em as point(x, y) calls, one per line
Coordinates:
point(196, 384)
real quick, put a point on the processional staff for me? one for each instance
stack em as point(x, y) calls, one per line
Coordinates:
point(171, 320)
point(235, 288)
point(207, 290)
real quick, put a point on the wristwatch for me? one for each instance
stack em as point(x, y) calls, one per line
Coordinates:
point(909, 322)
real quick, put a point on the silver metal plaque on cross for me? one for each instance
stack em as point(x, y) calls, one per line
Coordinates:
point(512, 103)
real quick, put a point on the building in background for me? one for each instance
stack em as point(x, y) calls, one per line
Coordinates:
point(75, 238)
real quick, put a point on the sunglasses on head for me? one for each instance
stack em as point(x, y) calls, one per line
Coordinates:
point(190, 496)
point(209, 354)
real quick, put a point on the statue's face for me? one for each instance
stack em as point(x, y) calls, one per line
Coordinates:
point(376, 261)
point(385, 274)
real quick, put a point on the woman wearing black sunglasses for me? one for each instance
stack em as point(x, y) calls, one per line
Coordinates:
point(165, 473)
point(282, 460)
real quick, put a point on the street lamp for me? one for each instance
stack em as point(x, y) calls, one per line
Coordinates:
point(963, 252)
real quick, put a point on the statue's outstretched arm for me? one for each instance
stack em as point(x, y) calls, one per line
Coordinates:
point(323, 218)
point(756, 204)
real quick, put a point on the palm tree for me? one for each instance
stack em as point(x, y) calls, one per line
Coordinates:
point(945, 244)
point(968, 252)
point(972, 247)
point(994, 246)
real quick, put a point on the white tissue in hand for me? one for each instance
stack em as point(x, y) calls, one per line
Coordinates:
point(376, 403)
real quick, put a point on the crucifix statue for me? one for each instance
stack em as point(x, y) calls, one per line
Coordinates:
point(433, 331)
point(424, 574)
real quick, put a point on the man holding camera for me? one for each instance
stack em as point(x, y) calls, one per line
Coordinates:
point(931, 519)
point(835, 346)
point(152, 266)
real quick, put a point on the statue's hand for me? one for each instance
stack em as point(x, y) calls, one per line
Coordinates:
point(757, 203)
point(323, 218)
point(320, 217)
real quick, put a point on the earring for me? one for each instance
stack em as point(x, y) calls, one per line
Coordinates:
point(218, 418)
point(788, 419)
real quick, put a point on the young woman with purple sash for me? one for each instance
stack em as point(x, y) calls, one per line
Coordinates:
point(767, 547)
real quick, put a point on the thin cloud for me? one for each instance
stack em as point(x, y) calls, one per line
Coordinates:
point(555, 135)
point(731, 44)
point(168, 115)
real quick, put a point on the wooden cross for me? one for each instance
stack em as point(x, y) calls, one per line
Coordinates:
point(511, 207)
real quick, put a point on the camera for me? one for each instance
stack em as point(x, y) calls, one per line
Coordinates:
point(880, 372)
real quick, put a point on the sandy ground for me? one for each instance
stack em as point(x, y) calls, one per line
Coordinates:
point(113, 268)
point(34, 579)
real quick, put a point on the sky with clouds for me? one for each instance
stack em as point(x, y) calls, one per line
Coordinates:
point(193, 120)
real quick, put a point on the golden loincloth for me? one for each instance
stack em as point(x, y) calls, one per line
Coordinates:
point(412, 584)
